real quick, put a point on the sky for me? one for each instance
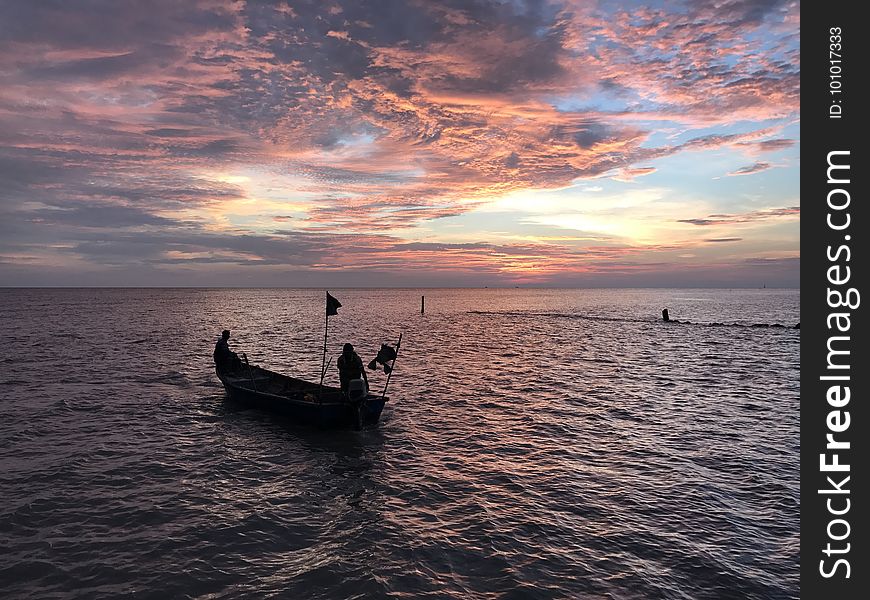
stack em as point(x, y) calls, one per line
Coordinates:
point(399, 143)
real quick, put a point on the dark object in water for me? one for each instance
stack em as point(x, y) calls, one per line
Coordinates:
point(386, 355)
point(304, 402)
point(665, 316)
point(798, 326)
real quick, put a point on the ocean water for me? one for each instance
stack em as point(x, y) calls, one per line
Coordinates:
point(537, 444)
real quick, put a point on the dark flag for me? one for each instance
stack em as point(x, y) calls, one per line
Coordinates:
point(386, 356)
point(332, 305)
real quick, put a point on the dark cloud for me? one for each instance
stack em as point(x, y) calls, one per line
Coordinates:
point(214, 148)
point(738, 12)
point(769, 145)
point(97, 215)
point(773, 262)
point(170, 132)
point(106, 24)
point(592, 133)
point(104, 67)
point(750, 169)
point(758, 215)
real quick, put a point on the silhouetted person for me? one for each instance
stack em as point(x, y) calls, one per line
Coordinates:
point(350, 366)
point(224, 358)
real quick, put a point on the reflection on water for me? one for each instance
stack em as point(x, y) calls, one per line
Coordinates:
point(526, 452)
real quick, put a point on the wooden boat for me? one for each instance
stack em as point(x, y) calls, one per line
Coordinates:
point(304, 402)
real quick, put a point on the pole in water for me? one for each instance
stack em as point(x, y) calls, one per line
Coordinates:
point(422, 305)
point(665, 316)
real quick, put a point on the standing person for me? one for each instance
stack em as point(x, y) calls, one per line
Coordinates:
point(350, 366)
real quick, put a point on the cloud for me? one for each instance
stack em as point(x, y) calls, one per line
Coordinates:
point(96, 215)
point(376, 118)
point(629, 174)
point(759, 215)
point(773, 145)
point(750, 169)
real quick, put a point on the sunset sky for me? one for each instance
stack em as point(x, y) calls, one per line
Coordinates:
point(388, 143)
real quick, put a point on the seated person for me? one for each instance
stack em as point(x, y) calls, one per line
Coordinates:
point(224, 358)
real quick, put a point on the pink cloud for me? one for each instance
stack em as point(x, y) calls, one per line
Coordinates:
point(388, 126)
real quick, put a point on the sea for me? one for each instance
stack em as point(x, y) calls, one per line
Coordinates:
point(537, 443)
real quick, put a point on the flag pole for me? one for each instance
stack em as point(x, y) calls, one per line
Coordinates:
point(393, 368)
point(325, 335)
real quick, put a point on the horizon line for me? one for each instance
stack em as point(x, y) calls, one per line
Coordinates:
point(325, 288)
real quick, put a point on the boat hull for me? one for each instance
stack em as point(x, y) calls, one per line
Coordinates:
point(301, 401)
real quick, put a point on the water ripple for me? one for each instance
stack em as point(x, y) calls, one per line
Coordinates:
point(538, 444)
